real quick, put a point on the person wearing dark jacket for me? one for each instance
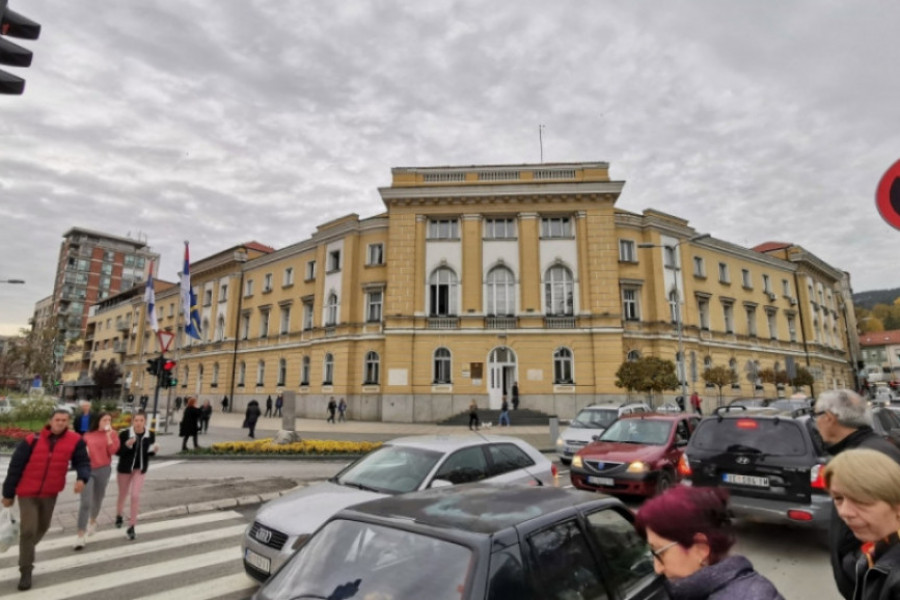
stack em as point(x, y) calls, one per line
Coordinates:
point(205, 416)
point(865, 485)
point(692, 550)
point(844, 421)
point(136, 445)
point(81, 422)
point(190, 423)
point(252, 416)
point(269, 406)
point(37, 474)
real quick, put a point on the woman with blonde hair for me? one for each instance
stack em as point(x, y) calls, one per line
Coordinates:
point(865, 486)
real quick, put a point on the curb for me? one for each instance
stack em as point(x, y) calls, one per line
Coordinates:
point(211, 505)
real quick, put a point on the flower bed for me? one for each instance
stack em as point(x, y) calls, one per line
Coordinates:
point(10, 436)
point(301, 448)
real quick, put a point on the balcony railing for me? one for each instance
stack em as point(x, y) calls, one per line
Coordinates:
point(559, 322)
point(443, 322)
point(501, 322)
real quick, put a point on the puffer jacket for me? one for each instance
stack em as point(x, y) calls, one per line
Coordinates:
point(732, 578)
point(40, 462)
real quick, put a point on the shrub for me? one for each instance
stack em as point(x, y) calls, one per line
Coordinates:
point(303, 448)
point(10, 436)
point(34, 409)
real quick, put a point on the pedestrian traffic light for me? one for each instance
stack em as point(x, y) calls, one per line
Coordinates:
point(14, 25)
point(153, 366)
point(168, 377)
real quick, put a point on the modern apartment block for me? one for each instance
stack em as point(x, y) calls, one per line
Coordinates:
point(93, 266)
point(476, 277)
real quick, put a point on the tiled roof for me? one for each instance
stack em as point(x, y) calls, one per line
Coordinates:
point(769, 246)
point(880, 338)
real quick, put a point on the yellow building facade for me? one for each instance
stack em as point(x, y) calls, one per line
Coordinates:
point(478, 277)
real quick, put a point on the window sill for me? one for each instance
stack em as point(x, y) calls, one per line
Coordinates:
point(700, 276)
point(327, 383)
point(260, 384)
point(240, 385)
point(287, 285)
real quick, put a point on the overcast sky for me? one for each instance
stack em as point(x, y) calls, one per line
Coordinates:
point(223, 122)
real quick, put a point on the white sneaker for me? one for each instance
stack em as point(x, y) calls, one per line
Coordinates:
point(92, 529)
point(79, 542)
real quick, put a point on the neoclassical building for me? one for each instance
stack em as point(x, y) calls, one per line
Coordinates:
point(476, 277)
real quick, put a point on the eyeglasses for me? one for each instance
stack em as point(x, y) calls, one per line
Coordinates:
point(819, 413)
point(658, 554)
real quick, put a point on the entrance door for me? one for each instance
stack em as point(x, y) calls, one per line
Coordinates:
point(501, 375)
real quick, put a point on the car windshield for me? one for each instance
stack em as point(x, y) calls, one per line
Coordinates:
point(353, 559)
point(590, 418)
point(779, 437)
point(638, 431)
point(390, 469)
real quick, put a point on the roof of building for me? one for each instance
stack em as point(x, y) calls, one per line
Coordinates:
point(770, 246)
point(101, 235)
point(880, 338)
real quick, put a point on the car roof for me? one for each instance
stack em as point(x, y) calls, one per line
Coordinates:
point(615, 406)
point(758, 412)
point(477, 508)
point(444, 443)
point(657, 416)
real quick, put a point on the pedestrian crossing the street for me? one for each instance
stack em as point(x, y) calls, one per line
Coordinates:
point(194, 557)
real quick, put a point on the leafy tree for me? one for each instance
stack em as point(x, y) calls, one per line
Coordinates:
point(803, 378)
point(106, 377)
point(720, 376)
point(772, 376)
point(647, 374)
point(12, 365)
point(37, 353)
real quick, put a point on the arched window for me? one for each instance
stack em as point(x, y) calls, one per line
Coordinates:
point(260, 373)
point(215, 375)
point(442, 372)
point(501, 285)
point(331, 310)
point(282, 371)
point(562, 366)
point(304, 371)
point(328, 378)
point(242, 374)
point(559, 291)
point(220, 328)
point(633, 356)
point(372, 368)
point(442, 293)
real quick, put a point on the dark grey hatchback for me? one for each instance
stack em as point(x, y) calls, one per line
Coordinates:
point(470, 542)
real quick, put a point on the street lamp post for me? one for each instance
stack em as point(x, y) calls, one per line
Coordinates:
point(679, 325)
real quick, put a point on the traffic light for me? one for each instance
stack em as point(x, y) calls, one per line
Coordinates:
point(15, 25)
point(154, 365)
point(168, 377)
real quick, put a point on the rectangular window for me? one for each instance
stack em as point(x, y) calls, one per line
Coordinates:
point(751, 321)
point(307, 316)
point(723, 273)
point(288, 277)
point(285, 320)
point(556, 228)
point(703, 311)
point(263, 323)
point(630, 304)
point(745, 279)
point(245, 326)
point(248, 288)
point(728, 313)
point(767, 284)
point(626, 251)
point(786, 288)
point(699, 267)
point(773, 326)
point(443, 229)
point(499, 229)
point(267, 283)
point(670, 258)
point(207, 297)
point(310, 270)
point(373, 306)
point(792, 327)
point(375, 254)
point(223, 293)
point(334, 261)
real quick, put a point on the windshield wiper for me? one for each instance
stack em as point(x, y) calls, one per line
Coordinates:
point(744, 449)
point(358, 486)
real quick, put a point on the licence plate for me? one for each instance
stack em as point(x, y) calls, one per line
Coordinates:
point(750, 480)
point(260, 562)
point(607, 481)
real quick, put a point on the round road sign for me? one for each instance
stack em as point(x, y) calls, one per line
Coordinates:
point(887, 196)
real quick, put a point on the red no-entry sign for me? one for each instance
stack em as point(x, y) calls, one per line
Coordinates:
point(887, 196)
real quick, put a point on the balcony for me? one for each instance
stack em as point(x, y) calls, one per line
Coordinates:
point(443, 322)
point(501, 322)
point(123, 326)
point(559, 322)
point(119, 347)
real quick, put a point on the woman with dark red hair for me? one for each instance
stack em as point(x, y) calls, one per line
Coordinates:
point(690, 534)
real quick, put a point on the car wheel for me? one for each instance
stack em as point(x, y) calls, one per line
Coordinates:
point(664, 482)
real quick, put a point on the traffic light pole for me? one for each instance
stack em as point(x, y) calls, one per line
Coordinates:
point(159, 376)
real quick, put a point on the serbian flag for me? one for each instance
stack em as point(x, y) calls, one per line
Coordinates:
point(150, 300)
point(189, 299)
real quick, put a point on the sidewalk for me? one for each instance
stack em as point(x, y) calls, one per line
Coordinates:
point(226, 427)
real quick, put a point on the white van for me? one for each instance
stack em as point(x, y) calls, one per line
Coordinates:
point(589, 423)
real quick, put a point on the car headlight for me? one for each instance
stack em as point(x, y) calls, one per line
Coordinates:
point(560, 442)
point(638, 467)
point(301, 539)
point(577, 462)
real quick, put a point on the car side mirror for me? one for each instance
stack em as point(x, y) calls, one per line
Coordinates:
point(441, 483)
point(596, 438)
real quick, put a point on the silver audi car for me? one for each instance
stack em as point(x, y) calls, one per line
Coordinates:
point(400, 466)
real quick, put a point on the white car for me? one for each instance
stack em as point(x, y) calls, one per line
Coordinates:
point(589, 423)
point(403, 465)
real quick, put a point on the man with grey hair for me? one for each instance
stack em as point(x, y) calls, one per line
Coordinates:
point(845, 421)
point(81, 423)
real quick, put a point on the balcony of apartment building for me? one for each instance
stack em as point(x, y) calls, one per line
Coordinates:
point(443, 322)
point(501, 322)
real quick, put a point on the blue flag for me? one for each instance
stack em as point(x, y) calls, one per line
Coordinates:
point(189, 299)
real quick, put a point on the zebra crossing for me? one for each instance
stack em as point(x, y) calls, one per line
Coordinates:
point(195, 557)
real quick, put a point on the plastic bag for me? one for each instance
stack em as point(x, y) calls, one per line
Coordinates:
point(9, 529)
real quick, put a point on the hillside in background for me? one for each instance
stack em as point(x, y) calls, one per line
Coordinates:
point(870, 299)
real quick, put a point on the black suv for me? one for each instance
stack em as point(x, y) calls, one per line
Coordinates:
point(771, 462)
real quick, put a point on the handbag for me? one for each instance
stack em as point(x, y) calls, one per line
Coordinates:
point(9, 530)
